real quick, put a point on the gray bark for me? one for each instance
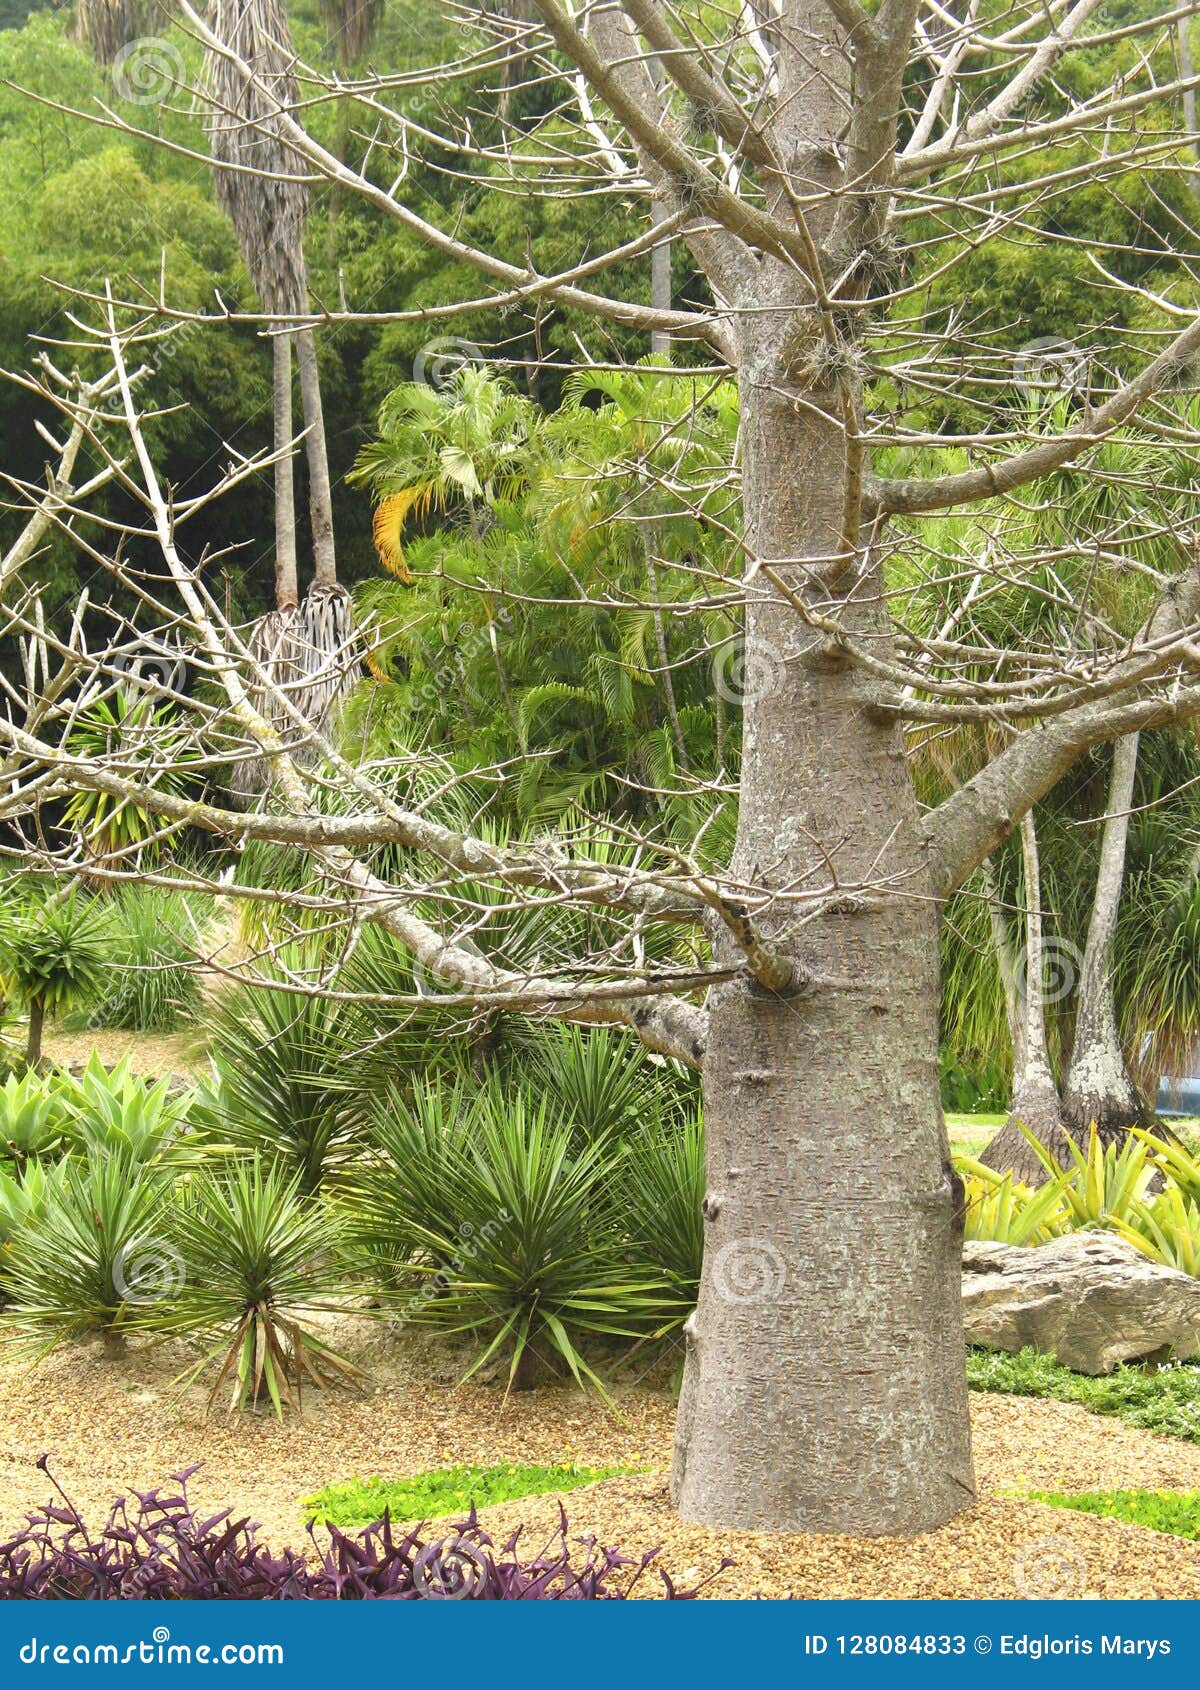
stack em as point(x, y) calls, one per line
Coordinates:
point(1099, 1087)
point(320, 497)
point(1035, 1101)
point(824, 1386)
point(287, 581)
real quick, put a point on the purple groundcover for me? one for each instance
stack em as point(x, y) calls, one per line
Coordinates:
point(159, 1550)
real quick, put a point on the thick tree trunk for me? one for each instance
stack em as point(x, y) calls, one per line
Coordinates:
point(1035, 1101)
point(1099, 1087)
point(320, 497)
point(824, 1387)
point(287, 580)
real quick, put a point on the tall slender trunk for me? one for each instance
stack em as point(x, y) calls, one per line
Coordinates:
point(37, 1023)
point(824, 1387)
point(287, 580)
point(660, 282)
point(320, 497)
point(1035, 1101)
point(1099, 1087)
point(1187, 70)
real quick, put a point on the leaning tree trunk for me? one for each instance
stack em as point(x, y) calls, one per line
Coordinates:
point(1099, 1088)
point(1035, 1101)
point(829, 1324)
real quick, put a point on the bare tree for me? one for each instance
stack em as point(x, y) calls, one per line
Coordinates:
point(812, 155)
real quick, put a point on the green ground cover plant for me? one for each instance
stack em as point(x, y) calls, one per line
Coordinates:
point(1176, 1512)
point(445, 1490)
point(1160, 1399)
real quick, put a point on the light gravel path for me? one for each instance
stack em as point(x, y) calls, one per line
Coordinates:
point(111, 1426)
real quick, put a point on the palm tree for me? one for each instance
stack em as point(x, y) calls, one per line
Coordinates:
point(303, 648)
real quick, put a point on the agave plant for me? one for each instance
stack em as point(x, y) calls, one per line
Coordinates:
point(256, 1257)
point(604, 1080)
point(34, 1117)
point(115, 1112)
point(21, 1196)
point(90, 1251)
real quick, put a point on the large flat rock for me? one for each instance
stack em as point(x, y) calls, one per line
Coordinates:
point(1091, 1300)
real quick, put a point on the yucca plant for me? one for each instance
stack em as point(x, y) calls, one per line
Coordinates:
point(408, 1178)
point(257, 1257)
point(661, 1185)
point(1001, 1210)
point(90, 1251)
point(277, 1055)
point(128, 725)
point(153, 986)
point(603, 1080)
point(516, 1237)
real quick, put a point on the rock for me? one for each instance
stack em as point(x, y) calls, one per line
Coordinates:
point(1090, 1299)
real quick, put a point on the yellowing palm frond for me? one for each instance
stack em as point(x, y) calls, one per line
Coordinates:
point(387, 527)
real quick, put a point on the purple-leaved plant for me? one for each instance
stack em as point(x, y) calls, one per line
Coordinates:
point(161, 1550)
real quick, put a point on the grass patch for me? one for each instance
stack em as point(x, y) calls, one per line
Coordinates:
point(969, 1134)
point(1173, 1511)
point(446, 1490)
point(1159, 1399)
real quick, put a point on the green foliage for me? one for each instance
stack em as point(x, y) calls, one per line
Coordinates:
point(88, 1251)
point(445, 1490)
point(33, 1117)
point(56, 953)
point(509, 1232)
point(276, 1055)
point(661, 1192)
point(153, 986)
point(1177, 1512)
point(129, 727)
point(116, 1112)
point(1002, 1210)
point(255, 1259)
point(1163, 1399)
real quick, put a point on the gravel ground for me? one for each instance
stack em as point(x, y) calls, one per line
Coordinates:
point(111, 1425)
